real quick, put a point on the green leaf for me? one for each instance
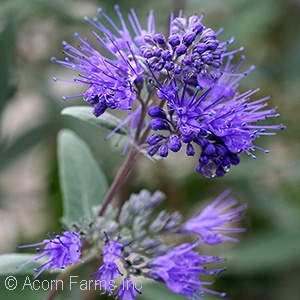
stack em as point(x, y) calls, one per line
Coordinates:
point(85, 113)
point(82, 182)
point(10, 262)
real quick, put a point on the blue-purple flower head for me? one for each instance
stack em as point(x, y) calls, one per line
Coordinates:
point(180, 269)
point(190, 50)
point(111, 82)
point(214, 117)
point(60, 251)
point(213, 223)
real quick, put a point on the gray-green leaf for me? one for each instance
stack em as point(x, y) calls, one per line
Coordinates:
point(85, 113)
point(10, 262)
point(82, 182)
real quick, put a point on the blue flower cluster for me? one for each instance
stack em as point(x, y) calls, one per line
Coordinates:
point(197, 101)
point(61, 251)
point(146, 254)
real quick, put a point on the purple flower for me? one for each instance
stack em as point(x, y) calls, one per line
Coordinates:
point(128, 290)
point(180, 269)
point(61, 251)
point(106, 275)
point(111, 82)
point(212, 222)
point(112, 251)
point(190, 50)
point(214, 116)
point(109, 270)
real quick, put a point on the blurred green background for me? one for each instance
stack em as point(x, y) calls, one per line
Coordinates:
point(266, 263)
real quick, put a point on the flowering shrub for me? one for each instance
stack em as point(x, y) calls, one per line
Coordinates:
point(176, 91)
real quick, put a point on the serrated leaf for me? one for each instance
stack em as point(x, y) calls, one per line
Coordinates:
point(85, 113)
point(83, 184)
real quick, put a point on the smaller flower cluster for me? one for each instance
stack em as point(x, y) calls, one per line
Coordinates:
point(180, 269)
point(109, 271)
point(112, 82)
point(132, 245)
point(211, 223)
point(61, 251)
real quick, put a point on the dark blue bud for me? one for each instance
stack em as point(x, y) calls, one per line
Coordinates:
point(210, 149)
point(186, 138)
point(152, 150)
point(154, 139)
point(203, 159)
point(190, 151)
point(169, 66)
point(157, 52)
point(213, 44)
point(174, 40)
point(166, 55)
point(220, 172)
point(177, 70)
point(226, 161)
point(208, 34)
point(200, 48)
point(159, 124)
point(159, 66)
point(188, 38)
point(234, 159)
point(159, 39)
point(99, 109)
point(146, 52)
point(202, 142)
point(174, 143)
point(181, 49)
point(148, 39)
point(187, 61)
point(197, 27)
point(207, 58)
point(163, 150)
point(156, 112)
